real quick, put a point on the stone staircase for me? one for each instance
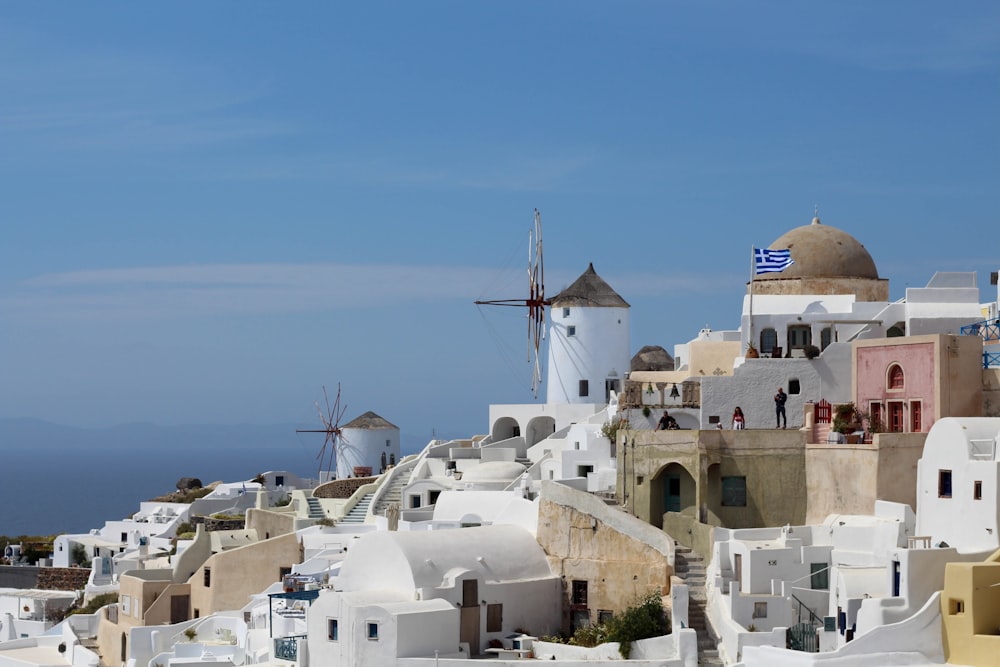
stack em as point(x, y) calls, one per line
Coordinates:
point(359, 511)
point(315, 508)
point(394, 494)
point(690, 568)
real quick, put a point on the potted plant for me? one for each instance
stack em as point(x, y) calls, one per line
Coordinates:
point(752, 352)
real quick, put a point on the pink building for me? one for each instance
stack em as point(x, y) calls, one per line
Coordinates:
point(906, 384)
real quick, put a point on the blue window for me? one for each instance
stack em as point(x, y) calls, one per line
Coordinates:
point(373, 631)
point(332, 629)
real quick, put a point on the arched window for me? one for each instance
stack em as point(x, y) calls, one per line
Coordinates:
point(768, 340)
point(895, 377)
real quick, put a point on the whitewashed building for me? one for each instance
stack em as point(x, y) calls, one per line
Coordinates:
point(408, 594)
point(367, 446)
point(588, 342)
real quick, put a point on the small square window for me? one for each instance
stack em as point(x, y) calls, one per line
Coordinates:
point(713, 419)
point(565, 312)
point(372, 631)
point(760, 610)
point(977, 490)
point(734, 491)
point(794, 387)
point(604, 616)
point(332, 629)
point(944, 484)
point(414, 502)
point(584, 388)
point(570, 331)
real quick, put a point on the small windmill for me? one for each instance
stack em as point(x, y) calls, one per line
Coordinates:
point(334, 438)
point(535, 303)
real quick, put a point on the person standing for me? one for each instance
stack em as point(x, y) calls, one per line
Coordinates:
point(780, 418)
point(739, 421)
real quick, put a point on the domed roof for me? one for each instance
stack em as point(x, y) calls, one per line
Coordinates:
point(652, 358)
point(821, 251)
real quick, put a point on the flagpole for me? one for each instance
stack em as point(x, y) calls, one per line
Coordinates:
point(750, 326)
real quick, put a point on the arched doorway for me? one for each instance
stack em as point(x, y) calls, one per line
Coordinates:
point(538, 429)
point(505, 428)
point(673, 490)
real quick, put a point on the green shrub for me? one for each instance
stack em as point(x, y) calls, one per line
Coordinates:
point(589, 636)
point(644, 619)
point(610, 429)
point(96, 603)
point(78, 555)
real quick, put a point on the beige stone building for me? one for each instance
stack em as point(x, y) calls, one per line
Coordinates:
point(220, 570)
point(605, 557)
point(687, 482)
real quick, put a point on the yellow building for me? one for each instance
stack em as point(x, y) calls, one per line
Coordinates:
point(970, 611)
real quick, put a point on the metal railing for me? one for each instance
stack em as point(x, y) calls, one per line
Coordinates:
point(287, 648)
point(988, 330)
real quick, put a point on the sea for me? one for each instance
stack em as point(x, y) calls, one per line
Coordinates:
point(61, 479)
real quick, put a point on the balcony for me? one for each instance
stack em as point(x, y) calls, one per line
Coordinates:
point(287, 648)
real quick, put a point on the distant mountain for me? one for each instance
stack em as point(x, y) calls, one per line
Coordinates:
point(77, 478)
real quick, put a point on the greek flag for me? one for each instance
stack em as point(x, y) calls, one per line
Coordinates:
point(771, 261)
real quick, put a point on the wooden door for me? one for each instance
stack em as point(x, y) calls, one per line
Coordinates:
point(469, 630)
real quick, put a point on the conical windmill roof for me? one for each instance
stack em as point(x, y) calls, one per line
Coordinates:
point(370, 421)
point(589, 290)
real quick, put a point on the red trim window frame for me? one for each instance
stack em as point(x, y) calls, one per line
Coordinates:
point(895, 379)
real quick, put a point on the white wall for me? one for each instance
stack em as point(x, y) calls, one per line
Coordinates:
point(968, 448)
point(598, 349)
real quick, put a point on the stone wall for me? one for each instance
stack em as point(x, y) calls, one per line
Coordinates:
point(341, 488)
point(63, 578)
point(224, 524)
point(613, 555)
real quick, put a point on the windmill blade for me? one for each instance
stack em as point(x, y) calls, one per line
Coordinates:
point(535, 301)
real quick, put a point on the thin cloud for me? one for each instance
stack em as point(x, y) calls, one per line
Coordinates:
point(239, 289)
point(233, 289)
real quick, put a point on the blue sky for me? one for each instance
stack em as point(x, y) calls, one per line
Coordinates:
point(211, 210)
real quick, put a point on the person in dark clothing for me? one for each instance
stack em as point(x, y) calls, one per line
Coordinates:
point(667, 423)
point(780, 418)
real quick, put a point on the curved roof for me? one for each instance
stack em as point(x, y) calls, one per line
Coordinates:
point(494, 471)
point(409, 560)
point(652, 358)
point(822, 251)
point(589, 290)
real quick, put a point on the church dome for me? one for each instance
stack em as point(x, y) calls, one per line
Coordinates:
point(821, 251)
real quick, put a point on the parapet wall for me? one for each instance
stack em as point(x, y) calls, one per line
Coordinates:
point(341, 488)
point(63, 578)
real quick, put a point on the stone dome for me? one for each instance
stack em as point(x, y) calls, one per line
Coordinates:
point(821, 251)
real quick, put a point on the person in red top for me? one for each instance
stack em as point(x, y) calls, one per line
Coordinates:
point(739, 421)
